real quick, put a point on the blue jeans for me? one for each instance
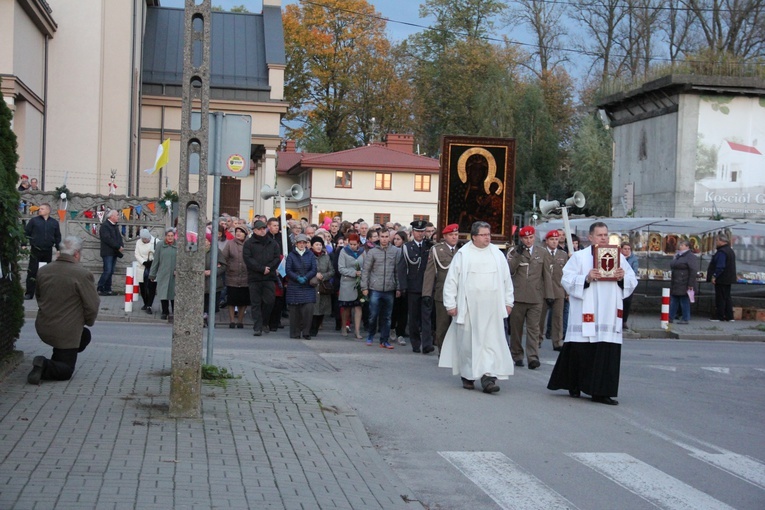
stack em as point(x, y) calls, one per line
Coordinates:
point(684, 302)
point(380, 305)
point(105, 282)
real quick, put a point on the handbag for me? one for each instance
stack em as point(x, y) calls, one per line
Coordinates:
point(326, 287)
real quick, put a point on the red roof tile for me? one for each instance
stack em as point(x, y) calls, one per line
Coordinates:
point(372, 157)
point(744, 148)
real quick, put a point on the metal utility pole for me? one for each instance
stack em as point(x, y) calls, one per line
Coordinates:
point(186, 378)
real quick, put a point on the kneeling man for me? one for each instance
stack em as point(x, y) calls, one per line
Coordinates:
point(68, 301)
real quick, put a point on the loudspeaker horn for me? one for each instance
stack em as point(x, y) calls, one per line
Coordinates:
point(548, 206)
point(267, 192)
point(295, 191)
point(577, 199)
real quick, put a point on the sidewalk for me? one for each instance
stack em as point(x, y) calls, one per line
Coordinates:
point(104, 439)
point(641, 325)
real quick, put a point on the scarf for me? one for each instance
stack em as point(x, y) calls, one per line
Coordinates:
point(354, 254)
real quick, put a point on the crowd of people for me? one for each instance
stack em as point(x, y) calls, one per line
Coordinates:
point(388, 285)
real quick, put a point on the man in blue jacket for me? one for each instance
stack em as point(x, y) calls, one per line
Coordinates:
point(111, 249)
point(722, 274)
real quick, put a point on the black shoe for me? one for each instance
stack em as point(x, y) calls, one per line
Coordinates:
point(468, 384)
point(274, 329)
point(519, 363)
point(35, 376)
point(557, 349)
point(28, 296)
point(222, 304)
point(163, 316)
point(574, 393)
point(605, 400)
point(415, 349)
point(489, 384)
point(239, 325)
point(307, 337)
point(149, 310)
point(534, 364)
point(428, 349)
point(257, 333)
point(231, 325)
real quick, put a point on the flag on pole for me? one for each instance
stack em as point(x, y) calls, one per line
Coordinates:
point(162, 156)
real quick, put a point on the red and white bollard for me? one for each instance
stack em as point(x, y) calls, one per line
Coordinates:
point(664, 308)
point(129, 289)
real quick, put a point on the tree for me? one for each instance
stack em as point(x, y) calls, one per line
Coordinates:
point(591, 165)
point(339, 72)
point(11, 292)
point(600, 21)
point(543, 19)
point(732, 27)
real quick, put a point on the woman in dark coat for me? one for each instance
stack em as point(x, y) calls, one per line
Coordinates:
point(684, 267)
point(218, 272)
point(324, 272)
point(301, 296)
point(237, 290)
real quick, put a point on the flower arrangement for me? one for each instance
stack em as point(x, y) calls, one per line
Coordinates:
point(63, 192)
point(170, 197)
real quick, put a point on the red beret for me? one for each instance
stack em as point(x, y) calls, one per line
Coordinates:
point(552, 233)
point(527, 231)
point(453, 227)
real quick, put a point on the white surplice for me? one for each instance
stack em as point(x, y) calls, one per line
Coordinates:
point(595, 312)
point(479, 285)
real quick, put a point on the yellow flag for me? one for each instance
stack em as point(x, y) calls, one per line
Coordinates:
point(163, 153)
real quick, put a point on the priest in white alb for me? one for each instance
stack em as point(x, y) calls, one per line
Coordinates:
point(478, 294)
point(590, 359)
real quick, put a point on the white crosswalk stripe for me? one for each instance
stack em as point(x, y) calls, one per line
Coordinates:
point(649, 483)
point(719, 370)
point(508, 484)
point(741, 466)
point(663, 367)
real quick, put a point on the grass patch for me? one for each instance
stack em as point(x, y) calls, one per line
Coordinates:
point(217, 376)
point(758, 327)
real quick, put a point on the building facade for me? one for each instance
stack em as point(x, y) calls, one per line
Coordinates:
point(378, 182)
point(689, 147)
point(96, 87)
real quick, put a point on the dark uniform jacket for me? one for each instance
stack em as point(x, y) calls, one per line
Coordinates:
point(415, 263)
point(259, 252)
point(67, 301)
point(439, 259)
point(111, 239)
point(43, 234)
point(558, 261)
point(532, 281)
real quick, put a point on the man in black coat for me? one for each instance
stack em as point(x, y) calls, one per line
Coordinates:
point(111, 249)
point(415, 256)
point(722, 274)
point(261, 255)
point(43, 233)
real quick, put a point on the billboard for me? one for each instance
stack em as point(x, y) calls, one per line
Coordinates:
point(730, 158)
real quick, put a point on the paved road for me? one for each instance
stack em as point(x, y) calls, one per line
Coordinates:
point(688, 432)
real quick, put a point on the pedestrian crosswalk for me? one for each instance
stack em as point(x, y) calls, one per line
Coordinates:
point(512, 486)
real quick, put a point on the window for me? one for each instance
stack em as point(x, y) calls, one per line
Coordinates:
point(343, 179)
point(382, 180)
point(381, 218)
point(418, 217)
point(421, 182)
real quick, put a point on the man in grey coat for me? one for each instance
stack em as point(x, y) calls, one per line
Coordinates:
point(67, 301)
point(381, 285)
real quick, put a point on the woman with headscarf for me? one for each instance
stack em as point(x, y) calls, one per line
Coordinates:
point(301, 296)
point(163, 272)
point(237, 290)
point(349, 264)
point(324, 273)
point(144, 255)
